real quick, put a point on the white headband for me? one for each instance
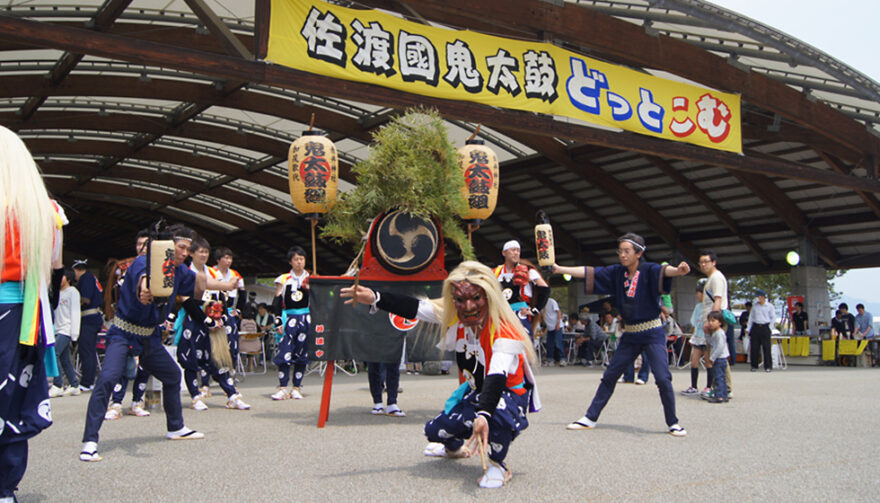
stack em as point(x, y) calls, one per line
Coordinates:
point(510, 244)
point(637, 246)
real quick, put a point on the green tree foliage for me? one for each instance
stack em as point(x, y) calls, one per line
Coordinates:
point(412, 166)
point(777, 286)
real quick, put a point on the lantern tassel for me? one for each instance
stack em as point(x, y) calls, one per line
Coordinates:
point(314, 251)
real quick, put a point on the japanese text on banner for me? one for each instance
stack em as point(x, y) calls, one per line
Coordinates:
point(377, 48)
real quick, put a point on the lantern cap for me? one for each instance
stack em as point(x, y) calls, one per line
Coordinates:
point(314, 132)
point(475, 141)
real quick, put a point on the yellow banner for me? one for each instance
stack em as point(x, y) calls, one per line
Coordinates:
point(377, 48)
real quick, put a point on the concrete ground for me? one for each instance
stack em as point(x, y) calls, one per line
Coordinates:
point(802, 434)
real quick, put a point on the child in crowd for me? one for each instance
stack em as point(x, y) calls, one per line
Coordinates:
point(719, 355)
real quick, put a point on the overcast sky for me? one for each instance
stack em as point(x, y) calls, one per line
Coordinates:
point(846, 30)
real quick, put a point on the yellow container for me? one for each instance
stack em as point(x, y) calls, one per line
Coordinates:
point(852, 347)
point(828, 349)
point(803, 346)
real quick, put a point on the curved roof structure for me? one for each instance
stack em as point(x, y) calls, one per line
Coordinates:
point(136, 109)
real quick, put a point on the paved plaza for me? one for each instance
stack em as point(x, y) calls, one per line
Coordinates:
point(802, 434)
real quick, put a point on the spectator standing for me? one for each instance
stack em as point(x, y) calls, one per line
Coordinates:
point(848, 319)
point(92, 300)
point(743, 327)
point(553, 344)
point(763, 314)
point(865, 330)
point(714, 299)
point(698, 343)
point(744, 320)
point(839, 328)
point(67, 320)
point(799, 319)
point(719, 356)
point(250, 308)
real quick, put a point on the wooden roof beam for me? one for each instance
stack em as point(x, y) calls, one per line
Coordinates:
point(147, 217)
point(101, 21)
point(838, 166)
point(37, 33)
point(288, 216)
point(710, 205)
point(579, 205)
point(63, 188)
point(788, 211)
point(557, 152)
point(233, 46)
point(190, 92)
point(527, 213)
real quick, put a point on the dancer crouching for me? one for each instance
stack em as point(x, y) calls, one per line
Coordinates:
point(493, 352)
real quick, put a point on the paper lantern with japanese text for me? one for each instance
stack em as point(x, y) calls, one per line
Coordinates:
point(481, 179)
point(544, 243)
point(313, 173)
point(160, 275)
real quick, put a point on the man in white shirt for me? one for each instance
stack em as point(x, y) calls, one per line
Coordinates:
point(67, 323)
point(762, 315)
point(714, 299)
point(553, 320)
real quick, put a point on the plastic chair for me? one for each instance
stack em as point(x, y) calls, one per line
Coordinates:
point(571, 352)
point(608, 347)
point(251, 344)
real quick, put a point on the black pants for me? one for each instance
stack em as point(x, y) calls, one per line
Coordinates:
point(760, 341)
point(154, 360)
point(86, 347)
point(731, 345)
point(384, 375)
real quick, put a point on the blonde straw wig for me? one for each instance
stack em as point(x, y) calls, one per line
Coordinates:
point(26, 203)
point(499, 310)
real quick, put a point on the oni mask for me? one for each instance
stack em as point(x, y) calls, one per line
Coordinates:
point(521, 275)
point(214, 310)
point(471, 304)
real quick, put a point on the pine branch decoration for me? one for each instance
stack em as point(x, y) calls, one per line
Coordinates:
point(412, 166)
